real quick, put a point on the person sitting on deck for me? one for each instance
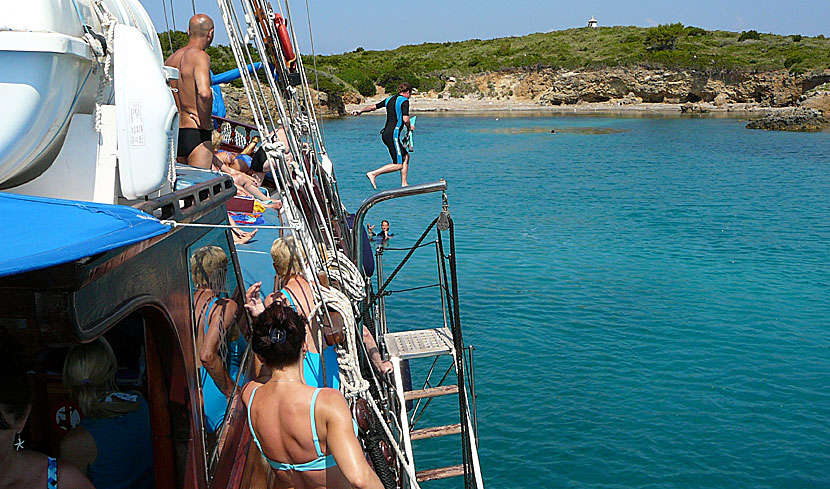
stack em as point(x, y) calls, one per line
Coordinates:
point(113, 444)
point(260, 167)
point(296, 291)
point(245, 183)
point(281, 409)
point(19, 467)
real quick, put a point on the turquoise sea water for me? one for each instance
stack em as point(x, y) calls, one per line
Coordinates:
point(649, 302)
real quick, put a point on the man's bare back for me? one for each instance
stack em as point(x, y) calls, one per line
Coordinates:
point(193, 94)
point(194, 73)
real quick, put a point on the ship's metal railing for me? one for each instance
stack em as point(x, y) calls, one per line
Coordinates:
point(449, 341)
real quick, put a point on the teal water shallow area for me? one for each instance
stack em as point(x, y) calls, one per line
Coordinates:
point(649, 298)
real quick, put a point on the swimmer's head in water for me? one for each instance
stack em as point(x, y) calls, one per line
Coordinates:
point(278, 335)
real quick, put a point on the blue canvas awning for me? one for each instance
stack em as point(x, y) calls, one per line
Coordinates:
point(41, 232)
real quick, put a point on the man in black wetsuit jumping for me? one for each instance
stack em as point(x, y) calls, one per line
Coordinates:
point(397, 116)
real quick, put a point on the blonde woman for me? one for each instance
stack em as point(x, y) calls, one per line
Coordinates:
point(113, 443)
point(296, 291)
point(215, 317)
point(292, 289)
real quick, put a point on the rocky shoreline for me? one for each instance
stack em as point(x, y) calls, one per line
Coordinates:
point(798, 119)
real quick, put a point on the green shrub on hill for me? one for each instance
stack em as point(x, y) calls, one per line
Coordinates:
point(663, 37)
point(365, 86)
point(749, 35)
point(460, 89)
point(692, 31)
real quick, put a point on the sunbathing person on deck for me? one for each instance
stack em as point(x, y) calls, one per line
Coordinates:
point(245, 183)
point(281, 408)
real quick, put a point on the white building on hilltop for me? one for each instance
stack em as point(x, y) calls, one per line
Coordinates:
point(592, 22)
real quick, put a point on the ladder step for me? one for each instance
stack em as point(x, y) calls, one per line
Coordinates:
point(441, 390)
point(439, 473)
point(436, 431)
point(419, 343)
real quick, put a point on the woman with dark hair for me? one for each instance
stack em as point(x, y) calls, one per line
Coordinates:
point(19, 467)
point(113, 444)
point(281, 409)
point(319, 370)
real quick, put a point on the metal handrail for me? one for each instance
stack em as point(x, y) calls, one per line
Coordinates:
point(360, 215)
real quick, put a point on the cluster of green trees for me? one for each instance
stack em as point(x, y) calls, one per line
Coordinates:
point(221, 57)
point(428, 66)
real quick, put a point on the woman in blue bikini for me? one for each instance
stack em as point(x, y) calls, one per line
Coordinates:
point(296, 292)
point(281, 408)
point(214, 322)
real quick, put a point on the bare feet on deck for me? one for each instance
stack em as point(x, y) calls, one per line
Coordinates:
point(241, 237)
point(371, 179)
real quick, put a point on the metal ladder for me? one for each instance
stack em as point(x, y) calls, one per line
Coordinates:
point(422, 344)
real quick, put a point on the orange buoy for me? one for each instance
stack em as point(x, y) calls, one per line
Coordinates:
point(285, 40)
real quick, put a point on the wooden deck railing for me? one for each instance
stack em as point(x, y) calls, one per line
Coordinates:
point(235, 135)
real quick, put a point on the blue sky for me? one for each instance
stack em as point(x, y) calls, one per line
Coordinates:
point(341, 26)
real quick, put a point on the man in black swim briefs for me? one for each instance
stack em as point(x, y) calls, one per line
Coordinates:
point(397, 116)
point(193, 95)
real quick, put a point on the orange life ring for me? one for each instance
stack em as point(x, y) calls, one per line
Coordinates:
point(285, 40)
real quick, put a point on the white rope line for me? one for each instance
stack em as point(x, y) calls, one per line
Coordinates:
point(175, 224)
point(104, 61)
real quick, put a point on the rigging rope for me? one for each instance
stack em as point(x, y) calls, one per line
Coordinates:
point(316, 79)
point(169, 38)
point(173, 14)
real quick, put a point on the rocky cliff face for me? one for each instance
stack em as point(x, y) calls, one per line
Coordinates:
point(561, 87)
point(620, 86)
point(238, 108)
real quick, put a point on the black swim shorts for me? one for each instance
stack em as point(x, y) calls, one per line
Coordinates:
point(258, 160)
point(189, 138)
point(396, 149)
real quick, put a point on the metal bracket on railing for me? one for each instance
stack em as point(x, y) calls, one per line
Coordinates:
point(444, 217)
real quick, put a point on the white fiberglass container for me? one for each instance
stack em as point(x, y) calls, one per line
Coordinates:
point(48, 73)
